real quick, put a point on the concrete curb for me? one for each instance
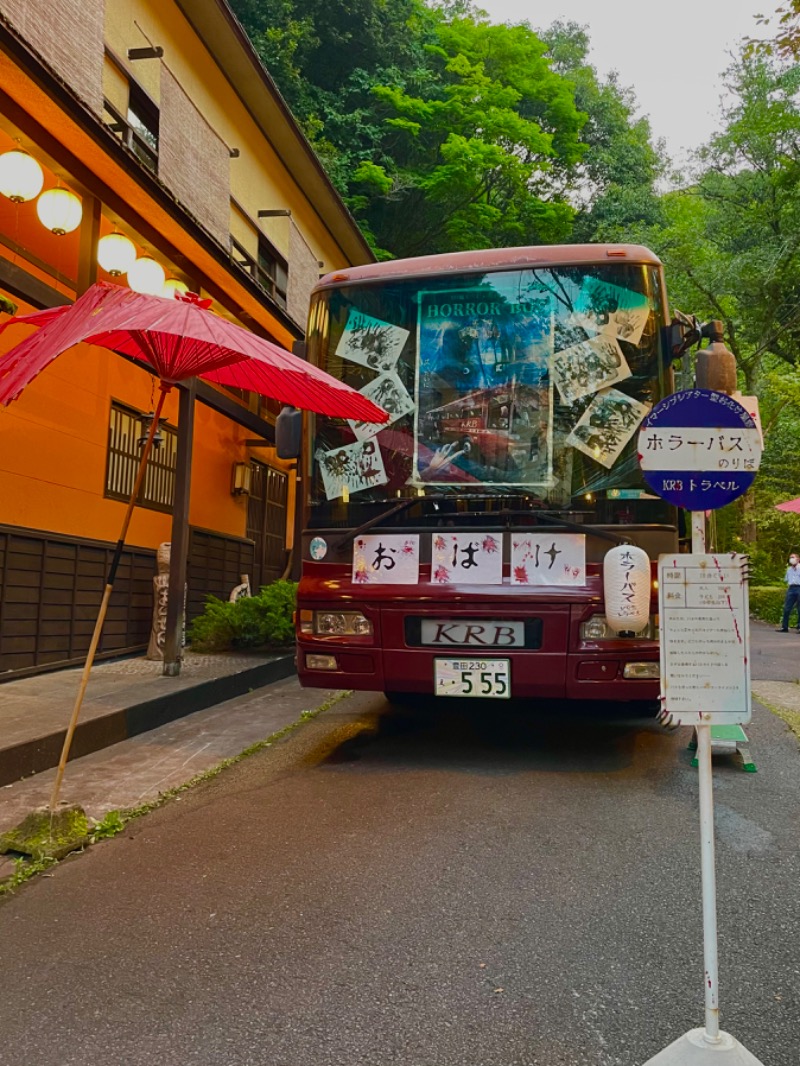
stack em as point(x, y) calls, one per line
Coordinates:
point(42, 753)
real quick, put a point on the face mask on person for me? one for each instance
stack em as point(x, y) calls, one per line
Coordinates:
point(792, 560)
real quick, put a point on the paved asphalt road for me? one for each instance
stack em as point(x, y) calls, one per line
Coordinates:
point(462, 888)
point(775, 656)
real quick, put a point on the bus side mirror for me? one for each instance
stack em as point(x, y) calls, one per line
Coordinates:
point(679, 336)
point(673, 335)
point(289, 433)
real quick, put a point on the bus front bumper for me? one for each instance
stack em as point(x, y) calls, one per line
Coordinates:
point(560, 667)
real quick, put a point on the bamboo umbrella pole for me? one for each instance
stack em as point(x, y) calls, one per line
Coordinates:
point(112, 573)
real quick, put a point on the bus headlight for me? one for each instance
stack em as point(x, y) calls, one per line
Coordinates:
point(335, 624)
point(642, 671)
point(321, 662)
point(597, 628)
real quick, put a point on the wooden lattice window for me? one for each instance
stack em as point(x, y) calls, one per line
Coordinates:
point(268, 270)
point(126, 428)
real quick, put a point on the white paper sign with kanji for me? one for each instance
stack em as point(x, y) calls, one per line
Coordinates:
point(473, 558)
point(704, 624)
point(548, 559)
point(386, 559)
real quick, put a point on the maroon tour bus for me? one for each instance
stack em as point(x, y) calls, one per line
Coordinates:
point(457, 549)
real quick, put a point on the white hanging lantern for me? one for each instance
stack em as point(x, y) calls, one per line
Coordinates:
point(60, 211)
point(173, 286)
point(626, 588)
point(21, 177)
point(147, 276)
point(116, 253)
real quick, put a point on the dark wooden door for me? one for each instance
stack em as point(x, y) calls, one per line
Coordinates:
point(50, 591)
point(266, 523)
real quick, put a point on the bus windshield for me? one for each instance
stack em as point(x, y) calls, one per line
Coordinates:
point(528, 383)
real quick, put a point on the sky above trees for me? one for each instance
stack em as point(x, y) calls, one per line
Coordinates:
point(674, 61)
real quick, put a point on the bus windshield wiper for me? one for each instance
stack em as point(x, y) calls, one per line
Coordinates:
point(403, 505)
point(585, 528)
point(545, 516)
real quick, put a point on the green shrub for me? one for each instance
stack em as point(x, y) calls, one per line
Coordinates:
point(263, 620)
point(764, 573)
point(214, 629)
point(766, 603)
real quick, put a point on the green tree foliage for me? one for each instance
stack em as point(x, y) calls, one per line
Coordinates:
point(444, 131)
point(786, 42)
point(730, 241)
point(616, 179)
point(477, 157)
point(326, 57)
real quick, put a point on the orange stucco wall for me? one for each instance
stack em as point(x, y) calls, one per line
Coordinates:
point(54, 442)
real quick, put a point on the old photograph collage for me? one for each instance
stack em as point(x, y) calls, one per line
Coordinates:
point(476, 404)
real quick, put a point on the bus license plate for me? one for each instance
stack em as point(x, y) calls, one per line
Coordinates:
point(490, 678)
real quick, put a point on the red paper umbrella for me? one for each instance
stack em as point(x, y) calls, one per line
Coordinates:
point(180, 338)
point(793, 506)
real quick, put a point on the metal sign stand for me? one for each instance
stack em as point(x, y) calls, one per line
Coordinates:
point(708, 1046)
point(729, 740)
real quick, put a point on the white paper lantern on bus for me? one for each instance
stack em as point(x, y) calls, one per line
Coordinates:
point(626, 588)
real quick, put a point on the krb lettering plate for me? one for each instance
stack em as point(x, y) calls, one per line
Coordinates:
point(487, 678)
point(488, 635)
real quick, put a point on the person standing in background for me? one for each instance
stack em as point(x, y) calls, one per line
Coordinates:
point(792, 601)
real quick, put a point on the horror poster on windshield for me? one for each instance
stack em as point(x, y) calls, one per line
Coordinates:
point(587, 367)
point(388, 392)
point(606, 426)
point(371, 342)
point(610, 309)
point(351, 469)
point(483, 388)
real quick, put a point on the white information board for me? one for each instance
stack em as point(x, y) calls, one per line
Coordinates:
point(705, 638)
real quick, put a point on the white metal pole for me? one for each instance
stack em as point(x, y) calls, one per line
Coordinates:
point(699, 532)
point(709, 879)
point(707, 866)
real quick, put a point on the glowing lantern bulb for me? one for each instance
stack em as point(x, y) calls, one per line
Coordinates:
point(60, 211)
point(116, 253)
point(21, 177)
point(173, 286)
point(147, 276)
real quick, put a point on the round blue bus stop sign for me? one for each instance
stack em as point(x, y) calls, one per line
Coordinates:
point(699, 449)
